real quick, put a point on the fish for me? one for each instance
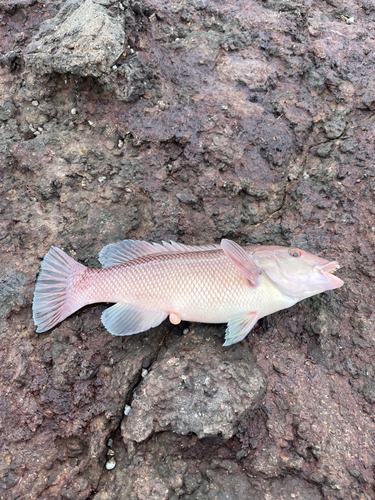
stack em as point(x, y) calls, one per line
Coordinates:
point(147, 282)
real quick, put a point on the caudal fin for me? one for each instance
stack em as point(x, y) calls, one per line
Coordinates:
point(53, 290)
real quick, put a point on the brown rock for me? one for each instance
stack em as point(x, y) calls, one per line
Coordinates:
point(193, 121)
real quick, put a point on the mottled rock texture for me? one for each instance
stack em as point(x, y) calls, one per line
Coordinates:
point(191, 121)
point(195, 387)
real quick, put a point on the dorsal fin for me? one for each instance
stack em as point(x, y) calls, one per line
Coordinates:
point(119, 253)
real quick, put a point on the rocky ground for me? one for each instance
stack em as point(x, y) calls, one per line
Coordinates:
point(191, 121)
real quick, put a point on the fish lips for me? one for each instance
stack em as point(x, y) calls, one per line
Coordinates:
point(326, 270)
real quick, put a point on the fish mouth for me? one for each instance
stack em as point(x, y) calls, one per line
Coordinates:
point(327, 270)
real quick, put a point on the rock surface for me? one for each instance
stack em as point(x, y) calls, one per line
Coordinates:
point(83, 39)
point(186, 394)
point(190, 121)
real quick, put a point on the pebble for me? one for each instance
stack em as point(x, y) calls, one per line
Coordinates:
point(90, 123)
point(73, 111)
point(120, 143)
point(144, 373)
point(185, 331)
point(114, 67)
point(121, 6)
point(102, 179)
point(110, 453)
point(110, 442)
point(35, 103)
point(127, 410)
point(111, 464)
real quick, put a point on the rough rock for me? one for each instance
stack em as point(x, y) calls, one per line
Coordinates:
point(184, 394)
point(249, 120)
point(83, 39)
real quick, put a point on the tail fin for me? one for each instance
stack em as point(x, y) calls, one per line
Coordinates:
point(53, 290)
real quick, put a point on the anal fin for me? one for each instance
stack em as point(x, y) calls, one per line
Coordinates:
point(126, 319)
point(239, 326)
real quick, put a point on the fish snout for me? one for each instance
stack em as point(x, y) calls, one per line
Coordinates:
point(327, 271)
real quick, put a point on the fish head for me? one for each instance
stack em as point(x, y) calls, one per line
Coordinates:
point(297, 273)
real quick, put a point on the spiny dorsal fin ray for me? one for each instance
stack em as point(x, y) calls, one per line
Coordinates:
point(124, 251)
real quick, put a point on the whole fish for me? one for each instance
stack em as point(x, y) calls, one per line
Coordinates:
point(147, 282)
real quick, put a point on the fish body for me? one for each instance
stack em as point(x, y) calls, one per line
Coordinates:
point(209, 284)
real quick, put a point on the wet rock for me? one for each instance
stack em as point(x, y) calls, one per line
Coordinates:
point(184, 394)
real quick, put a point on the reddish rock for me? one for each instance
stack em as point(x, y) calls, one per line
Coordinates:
point(192, 121)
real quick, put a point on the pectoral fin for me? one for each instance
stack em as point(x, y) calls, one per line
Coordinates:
point(239, 327)
point(243, 262)
point(126, 319)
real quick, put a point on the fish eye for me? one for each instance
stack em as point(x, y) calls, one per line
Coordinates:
point(295, 252)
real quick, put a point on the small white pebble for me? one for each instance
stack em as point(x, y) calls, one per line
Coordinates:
point(120, 143)
point(144, 373)
point(35, 103)
point(134, 394)
point(131, 51)
point(128, 190)
point(121, 6)
point(90, 123)
point(36, 132)
point(111, 464)
point(110, 442)
point(31, 127)
point(114, 67)
point(127, 410)
point(173, 361)
point(110, 453)
point(102, 179)
point(350, 20)
point(185, 331)
point(40, 129)
point(73, 111)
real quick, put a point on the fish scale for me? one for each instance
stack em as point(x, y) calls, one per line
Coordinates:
point(211, 284)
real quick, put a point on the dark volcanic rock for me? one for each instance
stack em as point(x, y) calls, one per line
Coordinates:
point(189, 121)
point(186, 394)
